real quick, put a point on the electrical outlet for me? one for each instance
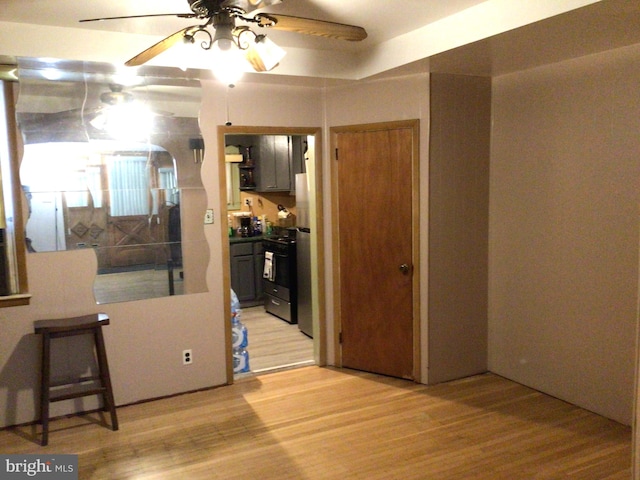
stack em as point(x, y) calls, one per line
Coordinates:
point(187, 357)
point(248, 201)
point(208, 216)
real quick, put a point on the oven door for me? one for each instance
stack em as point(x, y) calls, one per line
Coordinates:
point(282, 262)
point(279, 293)
point(282, 276)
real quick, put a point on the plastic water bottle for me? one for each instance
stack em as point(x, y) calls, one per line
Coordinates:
point(239, 337)
point(257, 226)
point(235, 305)
point(240, 360)
point(239, 333)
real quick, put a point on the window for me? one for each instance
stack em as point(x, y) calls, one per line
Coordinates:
point(128, 185)
point(94, 184)
point(169, 184)
point(76, 191)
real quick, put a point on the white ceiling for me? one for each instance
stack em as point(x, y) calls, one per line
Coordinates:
point(381, 22)
point(466, 36)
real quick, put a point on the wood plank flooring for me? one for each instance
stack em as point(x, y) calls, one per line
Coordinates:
point(135, 285)
point(322, 423)
point(274, 343)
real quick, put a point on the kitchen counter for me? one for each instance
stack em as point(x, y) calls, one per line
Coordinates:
point(236, 239)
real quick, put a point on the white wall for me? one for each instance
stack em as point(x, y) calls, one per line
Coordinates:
point(563, 263)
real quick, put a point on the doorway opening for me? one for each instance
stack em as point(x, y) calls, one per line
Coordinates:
point(270, 181)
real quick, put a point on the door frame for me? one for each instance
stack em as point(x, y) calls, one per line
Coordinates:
point(414, 125)
point(317, 236)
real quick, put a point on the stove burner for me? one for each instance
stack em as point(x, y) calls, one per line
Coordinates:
point(280, 239)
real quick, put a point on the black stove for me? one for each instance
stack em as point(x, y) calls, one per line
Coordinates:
point(279, 239)
point(279, 277)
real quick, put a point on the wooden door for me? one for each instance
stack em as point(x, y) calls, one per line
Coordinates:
point(136, 240)
point(84, 226)
point(375, 242)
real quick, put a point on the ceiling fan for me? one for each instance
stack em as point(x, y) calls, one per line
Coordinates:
point(222, 16)
point(116, 95)
point(121, 114)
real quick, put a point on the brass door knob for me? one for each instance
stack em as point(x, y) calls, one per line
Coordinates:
point(404, 268)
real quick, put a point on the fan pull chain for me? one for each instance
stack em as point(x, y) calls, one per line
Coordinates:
point(228, 122)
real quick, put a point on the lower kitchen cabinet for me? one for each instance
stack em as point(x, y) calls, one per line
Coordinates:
point(247, 263)
point(258, 261)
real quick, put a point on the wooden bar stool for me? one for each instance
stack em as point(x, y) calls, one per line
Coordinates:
point(65, 327)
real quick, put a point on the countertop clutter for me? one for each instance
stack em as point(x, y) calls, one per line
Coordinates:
point(276, 233)
point(245, 225)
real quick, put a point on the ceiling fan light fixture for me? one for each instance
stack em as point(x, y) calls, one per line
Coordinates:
point(263, 54)
point(116, 97)
point(222, 16)
point(223, 38)
point(127, 121)
point(228, 64)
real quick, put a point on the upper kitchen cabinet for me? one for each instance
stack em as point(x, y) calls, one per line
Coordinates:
point(298, 148)
point(273, 166)
point(275, 160)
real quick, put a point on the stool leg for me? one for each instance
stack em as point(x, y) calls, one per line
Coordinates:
point(105, 378)
point(45, 382)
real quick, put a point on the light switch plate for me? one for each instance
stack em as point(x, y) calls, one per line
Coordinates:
point(208, 216)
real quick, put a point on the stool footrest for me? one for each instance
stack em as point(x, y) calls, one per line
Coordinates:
point(83, 393)
point(75, 381)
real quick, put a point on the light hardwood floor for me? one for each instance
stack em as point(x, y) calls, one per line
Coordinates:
point(322, 423)
point(274, 343)
point(135, 285)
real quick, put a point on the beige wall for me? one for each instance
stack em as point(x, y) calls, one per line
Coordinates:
point(458, 225)
point(563, 260)
point(144, 356)
point(145, 338)
point(374, 101)
point(453, 318)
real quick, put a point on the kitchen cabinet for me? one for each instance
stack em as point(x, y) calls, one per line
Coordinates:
point(258, 263)
point(298, 145)
point(247, 262)
point(276, 161)
point(273, 165)
point(246, 145)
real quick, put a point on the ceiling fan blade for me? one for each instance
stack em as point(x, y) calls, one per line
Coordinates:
point(156, 49)
point(310, 26)
point(249, 5)
point(256, 62)
point(179, 15)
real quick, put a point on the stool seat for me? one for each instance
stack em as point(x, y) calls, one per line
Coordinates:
point(64, 327)
point(70, 325)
